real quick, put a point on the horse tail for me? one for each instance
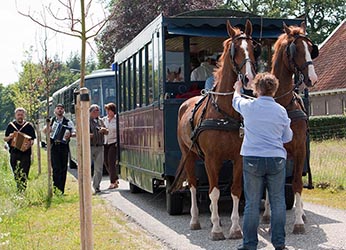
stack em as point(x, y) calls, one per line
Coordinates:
point(179, 179)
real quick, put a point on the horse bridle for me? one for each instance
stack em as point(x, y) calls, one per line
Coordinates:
point(237, 68)
point(291, 51)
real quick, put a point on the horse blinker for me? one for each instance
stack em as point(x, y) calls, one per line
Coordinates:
point(232, 51)
point(292, 50)
point(314, 52)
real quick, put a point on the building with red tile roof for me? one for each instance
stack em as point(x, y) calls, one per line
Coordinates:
point(328, 96)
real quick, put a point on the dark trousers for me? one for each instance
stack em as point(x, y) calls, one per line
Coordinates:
point(59, 154)
point(21, 170)
point(110, 161)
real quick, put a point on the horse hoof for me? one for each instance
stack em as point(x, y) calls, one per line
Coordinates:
point(298, 229)
point(305, 219)
point(235, 235)
point(266, 219)
point(217, 236)
point(195, 226)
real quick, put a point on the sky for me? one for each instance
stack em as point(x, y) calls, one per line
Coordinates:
point(19, 33)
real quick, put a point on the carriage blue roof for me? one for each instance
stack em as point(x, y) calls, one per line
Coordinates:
point(216, 26)
point(210, 23)
point(213, 23)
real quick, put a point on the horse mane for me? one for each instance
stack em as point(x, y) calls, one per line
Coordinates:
point(218, 72)
point(283, 40)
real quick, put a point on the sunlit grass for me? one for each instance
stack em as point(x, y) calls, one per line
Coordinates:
point(327, 197)
point(328, 163)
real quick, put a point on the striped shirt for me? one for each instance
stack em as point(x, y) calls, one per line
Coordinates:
point(98, 138)
point(266, 126)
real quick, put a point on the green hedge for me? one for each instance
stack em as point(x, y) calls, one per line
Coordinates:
point(327, 127)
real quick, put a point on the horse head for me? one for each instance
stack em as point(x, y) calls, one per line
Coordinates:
point(174, 76)
point(300, 51)
point(240, 52)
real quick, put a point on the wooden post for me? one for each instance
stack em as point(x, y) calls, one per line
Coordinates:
point(80, 170)
point(49, 160)
point(38, 141)
point(86, 170)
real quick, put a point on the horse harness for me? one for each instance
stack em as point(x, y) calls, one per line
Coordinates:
point(237, 68)
point(296, 114)
point(228, 123)
point(291, 52)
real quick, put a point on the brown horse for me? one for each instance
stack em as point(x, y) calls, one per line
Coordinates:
point(293, 54)
point(201, 116)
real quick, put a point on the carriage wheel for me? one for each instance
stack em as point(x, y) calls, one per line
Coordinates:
point(289, 196)
point(175, 201)
point(134, 189)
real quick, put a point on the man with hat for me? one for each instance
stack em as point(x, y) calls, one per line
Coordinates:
point(60, 147)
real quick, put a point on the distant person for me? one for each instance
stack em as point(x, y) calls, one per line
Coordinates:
point(20, 159)
point(202, 72)
point(267, 128)
point(60, 147)
point(110, 148)
point(97, 140)
point(209, 83)
point(194, 63)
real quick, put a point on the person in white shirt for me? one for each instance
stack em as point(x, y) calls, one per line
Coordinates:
point(202, 72)
point(110, 146)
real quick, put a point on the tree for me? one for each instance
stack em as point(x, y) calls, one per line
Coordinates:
point(124, 26)
point(27, 91)
point(7, 105)
point(77, 26)
point(322, 16)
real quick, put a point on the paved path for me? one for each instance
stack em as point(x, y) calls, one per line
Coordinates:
point(325, 228)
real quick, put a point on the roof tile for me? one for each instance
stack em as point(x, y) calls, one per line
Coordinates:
point(330, 65)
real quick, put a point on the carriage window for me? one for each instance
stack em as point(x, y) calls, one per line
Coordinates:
point(139, 79)
point(145, 70)
point(134, 82)
point(175, 59)
point(159, 60)
point(157, 49)
point(129, 84)
point(124, 84)
point(156, 70)
point(67, 101)
point(150, 63)
point(120, 87)
point(108, 88)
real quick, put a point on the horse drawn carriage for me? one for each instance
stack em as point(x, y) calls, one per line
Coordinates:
point(152, 144)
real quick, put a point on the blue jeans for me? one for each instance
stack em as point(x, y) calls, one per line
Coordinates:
point(260, 172)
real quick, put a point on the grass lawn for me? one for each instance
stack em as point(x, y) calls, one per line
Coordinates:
point(57, 227)
point(29, 221)
point(328, 167)
point(327, 197)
